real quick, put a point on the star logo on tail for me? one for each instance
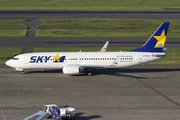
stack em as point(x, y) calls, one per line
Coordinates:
point(160, 39)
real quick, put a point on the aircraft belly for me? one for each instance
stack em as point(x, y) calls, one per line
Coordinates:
point(45, 65)
point(126, 64)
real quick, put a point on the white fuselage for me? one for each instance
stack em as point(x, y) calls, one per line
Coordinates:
point(45, 60)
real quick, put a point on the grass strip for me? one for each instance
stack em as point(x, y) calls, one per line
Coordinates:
point(13, 28)
point(2, 62)
point(100, 27)
point(172, 54)
point(9, 52)
point(13, 24)
point(67, 49)
point(89, 4)
point(13, 33)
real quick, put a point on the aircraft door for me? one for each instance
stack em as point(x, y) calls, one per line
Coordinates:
point(26, 59)
point(140, 58)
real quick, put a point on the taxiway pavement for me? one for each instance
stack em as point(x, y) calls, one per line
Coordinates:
point(109, 94)
point(35, 14)
point(31, 42)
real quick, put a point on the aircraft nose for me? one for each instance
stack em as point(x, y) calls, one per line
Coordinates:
point(8, 63)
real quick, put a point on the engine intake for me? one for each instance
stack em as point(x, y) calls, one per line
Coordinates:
point(70, 70)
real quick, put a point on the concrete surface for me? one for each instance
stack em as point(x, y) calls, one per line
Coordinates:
point(32, 25)
point(109, 94)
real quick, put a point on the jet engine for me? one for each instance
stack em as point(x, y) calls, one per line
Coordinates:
point(70, 69)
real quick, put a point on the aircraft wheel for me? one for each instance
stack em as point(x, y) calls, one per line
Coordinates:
point(22, 72)
point(89, 73)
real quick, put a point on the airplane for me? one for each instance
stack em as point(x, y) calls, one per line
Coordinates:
point(73, 63)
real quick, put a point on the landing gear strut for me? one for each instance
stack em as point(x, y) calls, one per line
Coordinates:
point(88, 72)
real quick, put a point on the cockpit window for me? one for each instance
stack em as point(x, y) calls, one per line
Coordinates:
point(15, 58)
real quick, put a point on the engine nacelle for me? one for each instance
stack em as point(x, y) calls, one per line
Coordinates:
point(70, 70)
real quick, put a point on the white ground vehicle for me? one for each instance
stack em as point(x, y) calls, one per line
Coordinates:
point(47, 108)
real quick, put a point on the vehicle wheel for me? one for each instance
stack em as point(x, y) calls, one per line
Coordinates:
point(70, 117)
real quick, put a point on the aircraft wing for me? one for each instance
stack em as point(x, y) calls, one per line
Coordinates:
point(104, 47)
point(93, 66)
point(37, 116)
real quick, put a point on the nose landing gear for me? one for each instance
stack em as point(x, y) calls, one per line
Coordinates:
point(19, 69)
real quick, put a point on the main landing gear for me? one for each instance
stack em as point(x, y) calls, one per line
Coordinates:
point(22, 72)
point(89, 73)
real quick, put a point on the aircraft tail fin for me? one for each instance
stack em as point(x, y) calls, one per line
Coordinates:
point(157, 41)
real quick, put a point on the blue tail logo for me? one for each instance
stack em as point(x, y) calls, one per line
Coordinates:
point(156, 42)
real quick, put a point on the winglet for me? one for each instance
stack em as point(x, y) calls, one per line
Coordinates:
point(104, 47)
point(116, 61)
